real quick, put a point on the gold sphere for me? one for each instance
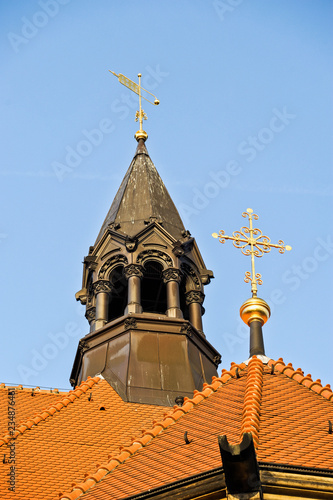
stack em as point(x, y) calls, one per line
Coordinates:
point(141, 134)
point(156, 102)
point(255, 309)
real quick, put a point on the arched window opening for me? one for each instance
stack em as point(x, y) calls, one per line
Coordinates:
point(153, 290)
point(182, 298)
point(118, 295)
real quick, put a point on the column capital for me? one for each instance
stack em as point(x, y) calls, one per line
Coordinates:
point(102, 286)
point(91, 314)
point(194, 296)
point(133, 270)
point(172, 274)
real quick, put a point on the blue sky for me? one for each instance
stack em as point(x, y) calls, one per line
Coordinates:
point(245, 120)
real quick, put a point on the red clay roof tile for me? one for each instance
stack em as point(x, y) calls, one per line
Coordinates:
point(64, 441)
point(70, 435)
point(262, 398)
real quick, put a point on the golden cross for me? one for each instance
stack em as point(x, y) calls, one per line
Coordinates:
point(258, 243)
point(140, 115)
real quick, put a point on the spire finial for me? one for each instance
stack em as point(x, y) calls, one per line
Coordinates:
point(140, 114)
point(255, 311)
point(258, 243)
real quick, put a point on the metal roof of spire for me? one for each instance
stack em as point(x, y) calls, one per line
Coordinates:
point(142, 195)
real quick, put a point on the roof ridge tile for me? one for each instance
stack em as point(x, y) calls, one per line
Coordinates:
point(252, 399)
point(50, 410)
point(298, 375)
point(149, 434)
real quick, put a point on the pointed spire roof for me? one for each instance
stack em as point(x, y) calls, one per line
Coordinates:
point(142, 195)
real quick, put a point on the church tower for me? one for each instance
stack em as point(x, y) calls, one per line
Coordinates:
point(143, 288)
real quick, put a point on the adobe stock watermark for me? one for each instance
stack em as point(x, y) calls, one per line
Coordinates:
point(40, 358)
point(294, 276)
point(249, 148)
point(93, 138)
point(31, 27)
point(223, 7)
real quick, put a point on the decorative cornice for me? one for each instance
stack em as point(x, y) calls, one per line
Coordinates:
point(172, 274)
point(131, 244)
point(133, 270)
point(152, 220)
point(130, 323)
point(114, 226)
point(194, 296)
point(90, 314)
point(83, 346)
point(102, 286)
point(217, 359)
point(187, 329)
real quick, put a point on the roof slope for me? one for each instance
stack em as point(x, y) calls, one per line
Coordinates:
point(142, 195)
point(26, 403)
point(289, 413)
point(61, 444)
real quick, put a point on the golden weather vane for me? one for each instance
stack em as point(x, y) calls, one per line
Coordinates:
point(140, 115)
point(258, 245)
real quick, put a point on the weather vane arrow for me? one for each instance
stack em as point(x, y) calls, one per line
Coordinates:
point(252, 242)
point(140, 115)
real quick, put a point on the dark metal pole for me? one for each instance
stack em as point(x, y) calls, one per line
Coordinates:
point(256, 338)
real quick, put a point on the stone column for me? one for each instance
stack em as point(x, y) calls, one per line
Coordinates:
point(101, 288)
point(172, 278)
point(134, 273)
point(91, 316)
point(194, 300)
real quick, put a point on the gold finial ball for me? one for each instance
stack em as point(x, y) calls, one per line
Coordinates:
point(255, 309)
point(156, 102)
point(141, 134)
point(139, 75)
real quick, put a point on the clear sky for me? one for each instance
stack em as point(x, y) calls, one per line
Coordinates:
point(245, 120)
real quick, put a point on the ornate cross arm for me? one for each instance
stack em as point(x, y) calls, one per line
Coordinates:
point(252, 242)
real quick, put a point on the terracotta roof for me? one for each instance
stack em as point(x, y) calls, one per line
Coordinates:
point(286, 411)
point(27, 402)
point(71, 448)
point(59, 445)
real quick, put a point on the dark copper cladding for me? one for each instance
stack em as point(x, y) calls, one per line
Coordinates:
point(142, 195)
point(147, 358)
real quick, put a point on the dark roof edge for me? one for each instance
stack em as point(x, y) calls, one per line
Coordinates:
point(310, 471)
point(183, 482)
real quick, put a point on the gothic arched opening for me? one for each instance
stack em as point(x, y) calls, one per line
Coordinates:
point(118, 294)
point(153, 290)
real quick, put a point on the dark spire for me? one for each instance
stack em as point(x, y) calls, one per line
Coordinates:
point(142, 195)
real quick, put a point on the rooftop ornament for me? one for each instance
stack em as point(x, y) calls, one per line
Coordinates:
point(255, 311)
point(140, 115)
